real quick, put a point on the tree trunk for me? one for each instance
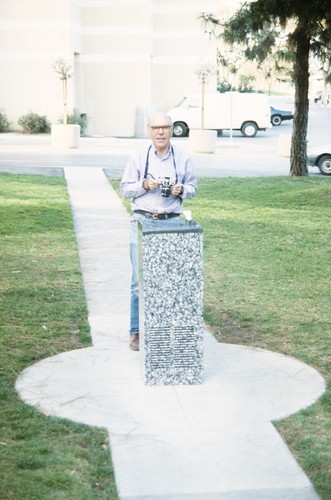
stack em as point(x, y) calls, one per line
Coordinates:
point(301, 106)
point(65, 98)
point(203, 88)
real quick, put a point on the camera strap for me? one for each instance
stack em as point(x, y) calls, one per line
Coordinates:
point(173, 159)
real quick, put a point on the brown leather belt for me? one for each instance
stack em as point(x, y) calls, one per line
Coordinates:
point(156, 216)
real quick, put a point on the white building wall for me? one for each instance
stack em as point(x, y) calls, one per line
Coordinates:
point(115, 63)
point(180, 47)
point(129, 57)
point(33, 34)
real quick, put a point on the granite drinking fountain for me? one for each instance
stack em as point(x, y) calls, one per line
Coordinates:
point(171, 301)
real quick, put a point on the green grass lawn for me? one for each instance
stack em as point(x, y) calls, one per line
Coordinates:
point(267, 284)
point(42, 312)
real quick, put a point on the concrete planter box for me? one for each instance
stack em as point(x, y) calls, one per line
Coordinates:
point(284, 145)
point(202, 141)
point(65, 136)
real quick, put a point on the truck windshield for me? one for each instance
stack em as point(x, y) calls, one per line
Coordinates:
point(189, 102)
point(181, 102)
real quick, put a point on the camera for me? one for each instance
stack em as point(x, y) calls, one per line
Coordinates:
point(165, 184)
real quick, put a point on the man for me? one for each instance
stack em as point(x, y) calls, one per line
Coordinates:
point(157, 178)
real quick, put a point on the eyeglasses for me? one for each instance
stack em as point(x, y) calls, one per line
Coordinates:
point(163, 128)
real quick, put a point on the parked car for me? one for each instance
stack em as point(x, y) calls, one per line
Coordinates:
point(320, 157)
point(277, 116)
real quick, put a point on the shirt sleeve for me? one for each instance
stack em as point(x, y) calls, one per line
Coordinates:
point(132, 179)
point(189, 180)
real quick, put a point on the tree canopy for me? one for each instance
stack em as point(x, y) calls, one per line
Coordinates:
point(257, 25)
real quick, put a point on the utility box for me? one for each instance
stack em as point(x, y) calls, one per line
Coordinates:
point(171, 302)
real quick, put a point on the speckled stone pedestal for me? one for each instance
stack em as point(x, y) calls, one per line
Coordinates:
point(171, 302)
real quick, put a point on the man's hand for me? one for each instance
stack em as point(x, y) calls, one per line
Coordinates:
point(150, 184)
point(177, 189)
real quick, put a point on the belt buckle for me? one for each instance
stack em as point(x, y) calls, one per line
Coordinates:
point(155, 216)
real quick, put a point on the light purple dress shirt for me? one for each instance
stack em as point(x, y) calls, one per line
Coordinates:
point(176, 164)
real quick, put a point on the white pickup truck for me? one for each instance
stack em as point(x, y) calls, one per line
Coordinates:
point(247, 112)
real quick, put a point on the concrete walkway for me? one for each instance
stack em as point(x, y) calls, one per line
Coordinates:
point(209, 441)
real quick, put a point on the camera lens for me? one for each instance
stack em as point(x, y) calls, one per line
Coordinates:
point(166, 192)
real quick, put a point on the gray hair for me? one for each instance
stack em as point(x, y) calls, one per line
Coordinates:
point(160, 115)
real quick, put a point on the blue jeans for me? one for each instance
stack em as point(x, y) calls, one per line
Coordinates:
point(134, 256)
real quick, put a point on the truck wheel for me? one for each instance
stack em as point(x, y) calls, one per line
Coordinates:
point(180, 129)
point(324, 164)
point(249, 129)
point(276, 120)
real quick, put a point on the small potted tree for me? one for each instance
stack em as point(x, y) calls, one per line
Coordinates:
point(64, 135)
point(203, 140)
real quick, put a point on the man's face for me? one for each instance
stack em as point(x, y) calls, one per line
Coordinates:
point(160, 132)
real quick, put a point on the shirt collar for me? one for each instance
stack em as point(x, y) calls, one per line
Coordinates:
point(157, 153)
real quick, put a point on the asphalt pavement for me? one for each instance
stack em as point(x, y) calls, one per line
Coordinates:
point(236, 157)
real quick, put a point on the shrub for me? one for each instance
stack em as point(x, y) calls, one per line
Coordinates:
point(32, 123)
point(224, 86)
point(4, 122)
point(78, 119)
